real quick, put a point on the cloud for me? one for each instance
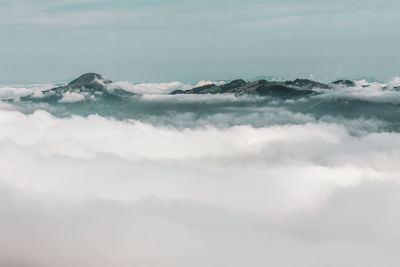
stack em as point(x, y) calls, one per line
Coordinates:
point(157, 232)
point(206, 98)
point(364, 213)
point(228, 116)
point(15, 92)
point(156, 88)
point(133, 139)
point(72, 97)
point(371, 92)
point(323, 155)
point(95, 191)
point(146, 88)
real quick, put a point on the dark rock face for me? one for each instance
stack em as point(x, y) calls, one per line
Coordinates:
point(213, 89)
point(88, 80)
point(281, 91)
point(346, 83)
point(307, 84)
point(235, 84)
point(289, 89)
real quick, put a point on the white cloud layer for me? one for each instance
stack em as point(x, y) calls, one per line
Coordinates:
point(99, 192)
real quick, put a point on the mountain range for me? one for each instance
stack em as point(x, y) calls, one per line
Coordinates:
point(93, 85)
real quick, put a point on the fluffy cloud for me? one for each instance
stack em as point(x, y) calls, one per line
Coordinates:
point(371, 92)
point(39, 231)
point(15, 92)
point(72, 97)
point(146, 88)
point(156, 88)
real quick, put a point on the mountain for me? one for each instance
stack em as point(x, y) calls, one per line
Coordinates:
point(88, 86)
point(346, 83)
point(284, 89)
point(89, 80)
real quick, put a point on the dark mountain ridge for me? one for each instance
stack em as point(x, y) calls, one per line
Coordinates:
point(282, 89)
point(93, 86)
point(89, 85)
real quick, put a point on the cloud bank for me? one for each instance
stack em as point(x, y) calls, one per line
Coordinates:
point(95, 191)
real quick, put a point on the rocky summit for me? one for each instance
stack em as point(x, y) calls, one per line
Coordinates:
point(89, 80)
point(89, 83)
point(89, 86)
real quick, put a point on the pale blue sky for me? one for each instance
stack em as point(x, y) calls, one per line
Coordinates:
point(138, 40)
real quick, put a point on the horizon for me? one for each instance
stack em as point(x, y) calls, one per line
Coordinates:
point(259, 77)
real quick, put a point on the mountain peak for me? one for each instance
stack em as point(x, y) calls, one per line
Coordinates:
point(87, 79)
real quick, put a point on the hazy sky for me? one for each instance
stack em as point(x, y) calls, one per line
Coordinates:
point(138, 40)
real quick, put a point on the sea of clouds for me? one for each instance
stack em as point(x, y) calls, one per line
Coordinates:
point(250, 186)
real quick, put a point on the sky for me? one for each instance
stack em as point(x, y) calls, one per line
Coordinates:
point(189, 41)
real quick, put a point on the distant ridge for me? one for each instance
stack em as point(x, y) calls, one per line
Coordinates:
point(281, 89)
point(92, 86)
